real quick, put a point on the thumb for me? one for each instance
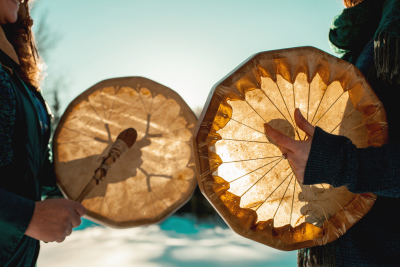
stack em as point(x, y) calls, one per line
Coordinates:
point(303, 124)
point(79, 208)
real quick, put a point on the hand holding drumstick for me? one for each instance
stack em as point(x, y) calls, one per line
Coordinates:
point(53, 219)
point(295, 151)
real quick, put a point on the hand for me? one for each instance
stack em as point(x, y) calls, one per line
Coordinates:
point(53, 219)
point(296, 151)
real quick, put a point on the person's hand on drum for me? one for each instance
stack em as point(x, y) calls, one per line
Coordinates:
point(295, 151)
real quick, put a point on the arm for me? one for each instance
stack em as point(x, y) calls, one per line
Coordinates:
point(15, 214)
point(336, 161)
point(332, 159)
point(15, 211)
point(49, 220)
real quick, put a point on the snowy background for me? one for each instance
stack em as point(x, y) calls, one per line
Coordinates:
point(175, 242)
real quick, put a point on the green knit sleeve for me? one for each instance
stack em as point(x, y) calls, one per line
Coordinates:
point(336, 161)
point(15, 215)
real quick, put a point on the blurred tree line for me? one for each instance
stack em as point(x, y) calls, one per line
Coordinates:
point(198, 205)
point(46, 40)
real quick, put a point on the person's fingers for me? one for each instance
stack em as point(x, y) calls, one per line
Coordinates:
point(280, 138)
point(289, 156)
point(68, 232)
point(79, 208)
point(283, 149)
point(303, 124)
point(300, 178)
point(60, 239)
point(75, 220)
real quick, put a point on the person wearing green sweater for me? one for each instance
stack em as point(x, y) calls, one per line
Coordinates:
point(24, 154)
point(367, 35)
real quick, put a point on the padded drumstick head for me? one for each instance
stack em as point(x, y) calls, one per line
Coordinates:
point(128, 136)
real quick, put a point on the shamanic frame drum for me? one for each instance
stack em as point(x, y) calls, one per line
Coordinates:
point(154, 177)
point(241, 171)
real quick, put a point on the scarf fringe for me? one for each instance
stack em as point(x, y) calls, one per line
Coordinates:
point(320, 256)
point(387, 57)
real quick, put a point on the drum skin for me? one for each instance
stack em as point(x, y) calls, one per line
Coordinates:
point(154, 177)
point(242, 172)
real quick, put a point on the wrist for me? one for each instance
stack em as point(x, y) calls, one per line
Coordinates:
point(325, 158)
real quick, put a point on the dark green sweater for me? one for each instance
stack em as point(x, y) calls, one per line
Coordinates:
point(375, 239)
point(368, 36)
point(24, 162)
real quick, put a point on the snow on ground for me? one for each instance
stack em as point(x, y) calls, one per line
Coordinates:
point(175, 242)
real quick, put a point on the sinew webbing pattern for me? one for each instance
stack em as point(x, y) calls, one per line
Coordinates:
point(241, 171)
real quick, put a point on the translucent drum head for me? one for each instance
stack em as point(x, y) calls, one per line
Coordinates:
point(242, 172)
point(154, 177)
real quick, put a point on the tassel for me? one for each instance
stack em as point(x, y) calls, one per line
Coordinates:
point(319, 256)
point(386, 57)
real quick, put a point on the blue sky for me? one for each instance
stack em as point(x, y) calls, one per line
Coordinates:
point(184, 44)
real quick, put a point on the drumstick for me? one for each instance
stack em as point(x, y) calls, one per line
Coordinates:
point(125, 140)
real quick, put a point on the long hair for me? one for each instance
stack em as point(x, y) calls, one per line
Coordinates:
point(351, 3)
point(20, 35)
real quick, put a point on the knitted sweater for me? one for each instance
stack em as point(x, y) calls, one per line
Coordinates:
point(24, 164)
point(367, 35)
point(375, 239)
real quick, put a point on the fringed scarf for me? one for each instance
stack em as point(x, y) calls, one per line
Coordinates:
point(349, 34)
point(355, 26)
point(320, 256)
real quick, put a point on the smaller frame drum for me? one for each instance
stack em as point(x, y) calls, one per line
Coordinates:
point(242, 172)
point(154, 177)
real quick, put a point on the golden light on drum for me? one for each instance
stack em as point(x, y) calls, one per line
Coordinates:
point(154, 177)
point(242, 172)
